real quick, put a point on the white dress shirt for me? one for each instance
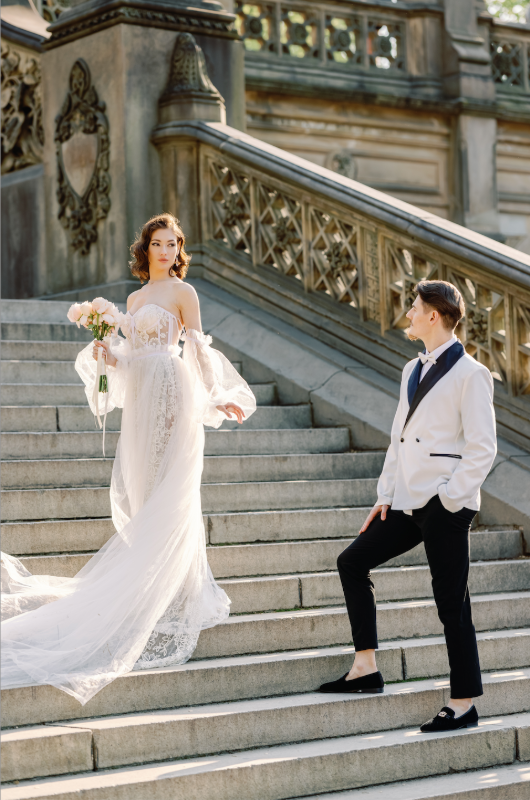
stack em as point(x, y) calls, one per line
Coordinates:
point(437, 353)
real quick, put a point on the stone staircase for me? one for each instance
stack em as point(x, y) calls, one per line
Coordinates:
point(281, 500)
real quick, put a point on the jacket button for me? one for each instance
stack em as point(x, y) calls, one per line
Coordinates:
point(402, 440)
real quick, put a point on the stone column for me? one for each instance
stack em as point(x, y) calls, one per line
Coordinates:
point(189, 95)
point(105, 67)
point(468, 79)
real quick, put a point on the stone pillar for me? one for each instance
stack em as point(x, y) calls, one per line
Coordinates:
point(467, 78)
point(105, 67)
point(189, 94)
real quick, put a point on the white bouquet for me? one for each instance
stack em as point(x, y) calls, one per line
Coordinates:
point(101, 317)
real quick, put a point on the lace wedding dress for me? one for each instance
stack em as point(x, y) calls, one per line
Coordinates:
point(143, 599)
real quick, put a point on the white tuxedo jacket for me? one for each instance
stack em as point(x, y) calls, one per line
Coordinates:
point(449, 443)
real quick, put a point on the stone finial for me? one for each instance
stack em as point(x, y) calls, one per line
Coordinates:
point(188, 71)
point(189, 93)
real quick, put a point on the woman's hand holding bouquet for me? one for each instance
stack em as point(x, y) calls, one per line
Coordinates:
point(102, 318)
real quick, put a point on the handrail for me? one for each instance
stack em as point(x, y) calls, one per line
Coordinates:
point(356, 251)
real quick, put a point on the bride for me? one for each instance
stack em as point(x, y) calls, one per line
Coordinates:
point(143, 599)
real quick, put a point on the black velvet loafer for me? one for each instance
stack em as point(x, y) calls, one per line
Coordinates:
point(368, 684)
point(445, 721)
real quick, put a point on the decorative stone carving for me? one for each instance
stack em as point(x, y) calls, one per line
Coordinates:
point(337, 259)
point(51, 10)
point(22, 131)
point(344, 163)
point(507, 63)
point(189, 93)
point(198, 23)
point(477, 325)
point(82, 146)
point(188, 71)
point(372, 277)
point(234, 212)
point(284, 234)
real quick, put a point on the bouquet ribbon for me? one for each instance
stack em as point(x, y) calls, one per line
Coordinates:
point(95, 395)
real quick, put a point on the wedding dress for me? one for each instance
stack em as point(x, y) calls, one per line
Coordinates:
point(143, 599)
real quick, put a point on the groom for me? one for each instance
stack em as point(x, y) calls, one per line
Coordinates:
point(442, 447)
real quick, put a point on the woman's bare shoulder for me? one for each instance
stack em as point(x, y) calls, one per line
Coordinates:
point(184, 294)
point(130, 299)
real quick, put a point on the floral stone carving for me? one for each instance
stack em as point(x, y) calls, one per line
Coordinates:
point(22, 131)
point(82, 144)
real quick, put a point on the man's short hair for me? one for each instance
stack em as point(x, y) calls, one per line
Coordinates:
point(445, 299)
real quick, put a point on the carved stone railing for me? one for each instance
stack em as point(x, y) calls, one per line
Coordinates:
point(510, 57)
point(349, 36)
point(340, 260)
point(402, 40)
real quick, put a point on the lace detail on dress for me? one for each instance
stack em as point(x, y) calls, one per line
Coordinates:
point(168, 403)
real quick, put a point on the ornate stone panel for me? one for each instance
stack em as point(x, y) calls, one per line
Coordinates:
point(404, 269)
point(82, 146)
point(343, 39)
point(256, 24)
point(299, 32)
point(279, 230)
point(385, 44)
point(372, 277)
point(334, 257)
point(522, 345)
point(348, 36)
point(22, 131)
point(230, 208)
point(507, 63)
point(52, 9)
point(483, 329)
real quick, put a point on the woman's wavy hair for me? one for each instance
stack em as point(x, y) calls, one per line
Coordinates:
point(139, 263)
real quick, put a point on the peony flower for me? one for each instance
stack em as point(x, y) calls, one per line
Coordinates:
point(100, 305)
point(74, 312)
point(110, 319)
point(86, 308)
point(82, 321)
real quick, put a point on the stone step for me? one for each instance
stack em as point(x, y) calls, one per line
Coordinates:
point(44, 394)
point(80, 418)
point(323, 627)
point(246, 677)
point(318, 589)
point(39, 311)
point(290, 770)
point(319, 555)
point(79, 536)
point(44, 332)
point(48, 371)
point(504, 783)
point(40, 504)
point(87, 444)
point(188, 732)
point(44, 351)
point(229, 469)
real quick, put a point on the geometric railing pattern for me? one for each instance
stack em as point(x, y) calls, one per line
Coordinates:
point(367, 270)
point(347, 37)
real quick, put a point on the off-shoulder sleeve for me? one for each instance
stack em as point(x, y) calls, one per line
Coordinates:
point(86, 367)
point(216, 382)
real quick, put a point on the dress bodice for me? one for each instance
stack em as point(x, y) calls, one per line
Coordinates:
point(151, 329)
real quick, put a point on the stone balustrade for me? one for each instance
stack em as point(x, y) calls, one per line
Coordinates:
point(359, 37)
point(333, 254)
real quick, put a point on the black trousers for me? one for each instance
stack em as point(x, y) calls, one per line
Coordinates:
point(446, 539)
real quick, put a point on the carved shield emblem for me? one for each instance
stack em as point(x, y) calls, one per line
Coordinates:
point(82, 148)
point(80, 155)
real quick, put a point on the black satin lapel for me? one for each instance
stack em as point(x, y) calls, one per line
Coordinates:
point(443, 364)
point(414, 381)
